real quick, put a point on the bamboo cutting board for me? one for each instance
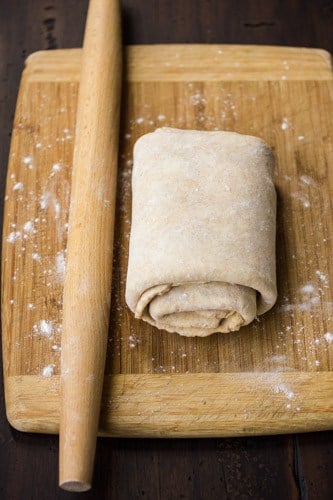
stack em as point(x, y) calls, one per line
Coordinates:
point(274, 376)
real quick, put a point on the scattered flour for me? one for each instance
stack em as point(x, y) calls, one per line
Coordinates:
point(322, 277)
point(306, 179)
point(44, 328)
point(285, 125)
point(13, 236)
point(57, 208)
point(302, 198)
point(197, 98)
point(133, 341)
point(60, 265)
point(18, 186)
point(328, 337)
point(301, 137)
point(56, 167)
point(44, 200)
point(282, 388)
point(35, 256)
point(48, 370)
point(28, 227)
point(27, 160)
point(307, 289)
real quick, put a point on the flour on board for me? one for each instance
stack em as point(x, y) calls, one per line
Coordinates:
point(48, 370)
point(18, 186)
point(285, 125)
point(328, 337)
point(13, 236)
point(60, 265)
point(28, 227)
point(56, 167)
point(44, 328)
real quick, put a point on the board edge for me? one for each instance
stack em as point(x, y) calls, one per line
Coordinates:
point(32, 404)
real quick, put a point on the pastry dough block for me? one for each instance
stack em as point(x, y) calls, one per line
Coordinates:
point(202, 245)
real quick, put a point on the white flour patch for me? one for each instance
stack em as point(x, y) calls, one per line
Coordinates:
point(322, 277)
point(60, 265)
point(311, 299)
point(197, 99)
point(139, 120)
point(133, 341)
point(27, 160)
point(28, 227)
point(328, 337)
point(302, 198)
point(35, 256)
point(48, 370)
point(57, 209)
point(307, 289)
point(285, 125)
point(305, 179)
point(315, 300)
point(18, 186)
point(44, 328)
point(301, 137)
point(56, 167)
point(282, 388)
point(45, 200)
point(161, 118)
point(13, 236)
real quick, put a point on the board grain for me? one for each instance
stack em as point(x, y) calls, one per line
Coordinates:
point(273, 376)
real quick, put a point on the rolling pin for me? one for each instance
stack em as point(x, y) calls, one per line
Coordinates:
point(87, 287)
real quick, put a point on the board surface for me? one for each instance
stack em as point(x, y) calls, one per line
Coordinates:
point(273, 376)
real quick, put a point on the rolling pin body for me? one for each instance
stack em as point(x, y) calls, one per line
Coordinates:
point(87, 288)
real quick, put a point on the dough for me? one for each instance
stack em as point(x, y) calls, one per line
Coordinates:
point(202, 245)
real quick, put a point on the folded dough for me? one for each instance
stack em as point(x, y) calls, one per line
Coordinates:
point(202, 246)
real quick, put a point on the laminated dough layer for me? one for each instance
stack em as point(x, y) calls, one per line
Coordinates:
point(202, 245)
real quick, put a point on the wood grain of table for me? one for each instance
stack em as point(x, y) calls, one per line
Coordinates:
point(274, 467)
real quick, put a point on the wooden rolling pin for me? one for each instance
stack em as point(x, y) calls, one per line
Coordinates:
point(87, 288)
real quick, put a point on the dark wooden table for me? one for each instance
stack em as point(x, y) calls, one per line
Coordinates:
point(278, 467)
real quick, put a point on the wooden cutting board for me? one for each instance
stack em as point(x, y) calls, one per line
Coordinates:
point(274, 376)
